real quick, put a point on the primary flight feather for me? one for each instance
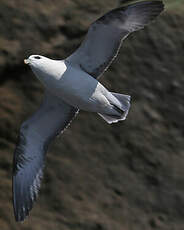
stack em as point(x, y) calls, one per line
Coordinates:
point(70, 85)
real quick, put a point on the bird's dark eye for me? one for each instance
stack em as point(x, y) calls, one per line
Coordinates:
point(37, 57)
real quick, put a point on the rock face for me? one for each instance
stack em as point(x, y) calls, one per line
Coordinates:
point(127, 176)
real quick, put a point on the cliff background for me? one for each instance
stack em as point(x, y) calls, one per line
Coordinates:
point(127, 176)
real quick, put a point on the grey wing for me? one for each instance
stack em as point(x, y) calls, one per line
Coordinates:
point(104, 36)
point(35, 135)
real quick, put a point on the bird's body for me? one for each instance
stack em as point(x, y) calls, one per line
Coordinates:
point(75, 87)
point(72, 85)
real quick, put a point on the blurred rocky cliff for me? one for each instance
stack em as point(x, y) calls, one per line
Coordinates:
point(127, 176)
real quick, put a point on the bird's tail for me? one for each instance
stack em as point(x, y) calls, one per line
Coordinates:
point(122, 109)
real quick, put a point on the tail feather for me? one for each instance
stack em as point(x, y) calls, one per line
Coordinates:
point(123, 109)
point(124, 99)
point(109, 118)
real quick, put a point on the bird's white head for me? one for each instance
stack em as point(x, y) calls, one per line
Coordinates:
point(36, 60)
point(44, 67)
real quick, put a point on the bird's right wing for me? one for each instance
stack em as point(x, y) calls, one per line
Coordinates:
point(35, 135)
point(104, 36)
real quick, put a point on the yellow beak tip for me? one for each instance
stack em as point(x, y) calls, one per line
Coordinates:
point(25, 61)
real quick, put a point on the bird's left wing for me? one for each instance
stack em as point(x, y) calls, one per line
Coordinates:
point(35, 135)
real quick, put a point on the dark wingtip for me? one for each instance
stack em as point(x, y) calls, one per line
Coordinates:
point(158, 3)
point(130, 2)
point(20, 214)
point(146, 12)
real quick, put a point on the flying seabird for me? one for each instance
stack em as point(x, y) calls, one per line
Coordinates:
point(70, 85)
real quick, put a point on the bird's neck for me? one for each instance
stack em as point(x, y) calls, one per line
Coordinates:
point(52, 71)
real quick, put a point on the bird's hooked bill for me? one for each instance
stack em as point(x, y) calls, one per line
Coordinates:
point(26, 61)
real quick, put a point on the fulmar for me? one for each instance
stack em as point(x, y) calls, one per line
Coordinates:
point(72, 85)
